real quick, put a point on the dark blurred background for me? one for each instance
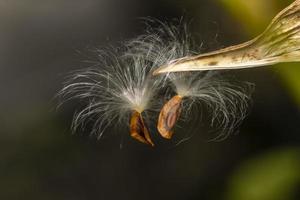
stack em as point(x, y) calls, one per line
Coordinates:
point(41, 41)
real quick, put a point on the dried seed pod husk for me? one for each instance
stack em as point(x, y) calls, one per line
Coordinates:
point(280, 42)
point(168, 116)
point(138, 129)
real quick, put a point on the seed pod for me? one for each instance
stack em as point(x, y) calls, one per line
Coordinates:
point(138, 129)
point(168, 116)
point(280, 42)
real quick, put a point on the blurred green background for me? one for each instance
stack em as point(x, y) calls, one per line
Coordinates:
point(40, 159)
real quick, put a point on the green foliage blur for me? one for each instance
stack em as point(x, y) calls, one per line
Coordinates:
point(274, 176)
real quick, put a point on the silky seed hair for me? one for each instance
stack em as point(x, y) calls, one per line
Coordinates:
point(227, 101)
point(163, 42)
point(121, 81)
point(116, 85)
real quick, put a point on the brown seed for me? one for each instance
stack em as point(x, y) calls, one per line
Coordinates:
point(168, 116)
point(138, 129)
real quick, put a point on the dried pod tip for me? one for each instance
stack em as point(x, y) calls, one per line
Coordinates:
point(280, 42)
point(168, 116)
point(138, 129)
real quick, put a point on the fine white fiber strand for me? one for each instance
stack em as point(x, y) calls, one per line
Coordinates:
point(121, 81)
point(163, 42)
